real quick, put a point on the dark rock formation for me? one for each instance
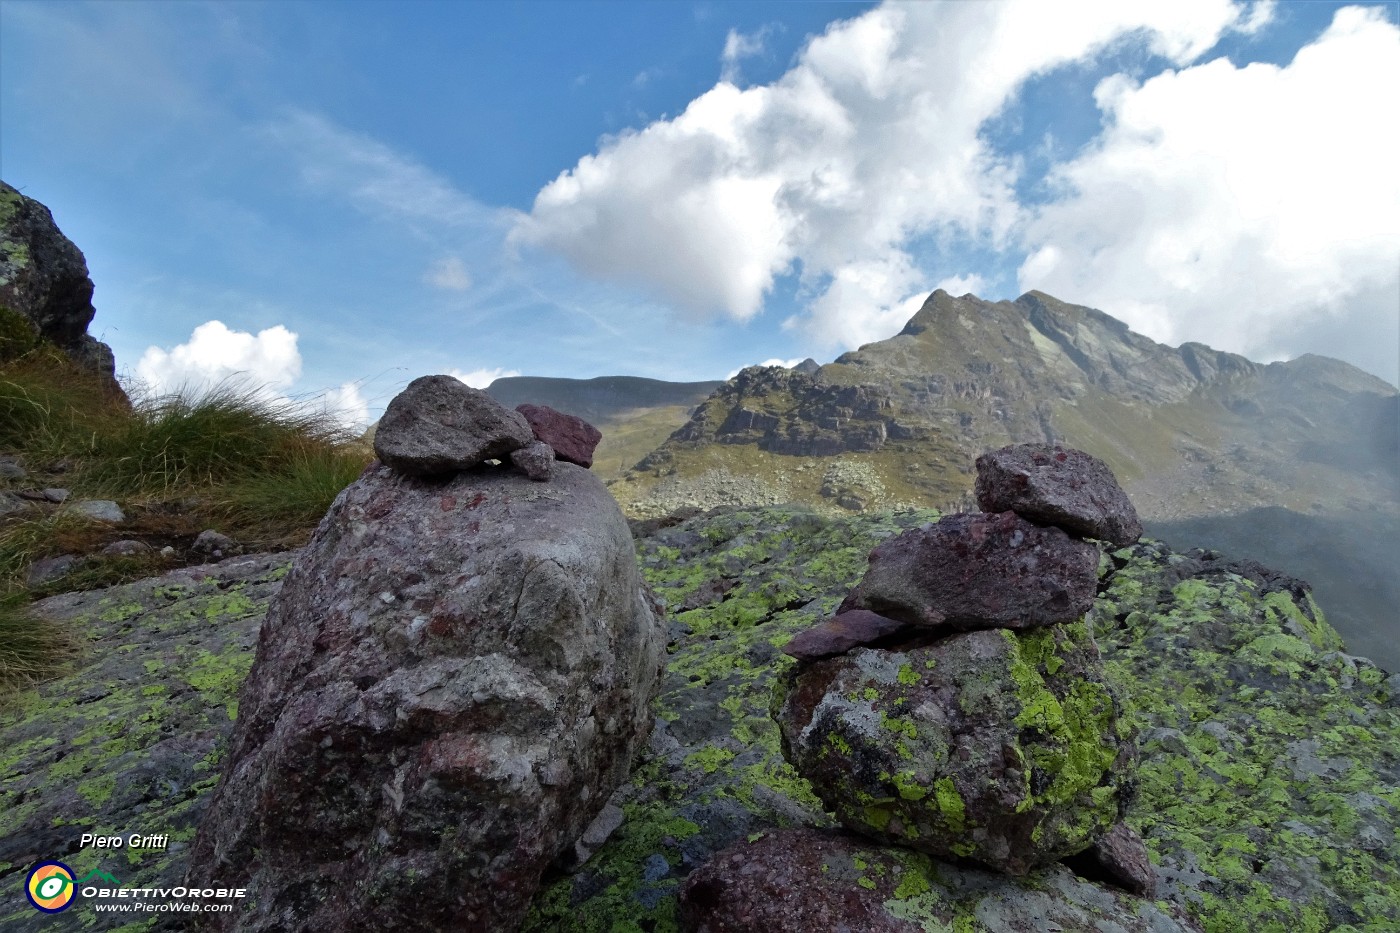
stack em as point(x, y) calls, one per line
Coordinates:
point(572, 438)
point(1054, 485)
point(843, 632)
point(996, 746)
point(439, 425)
point(797, 880)
point(452, 681)
point(979, 571)
point(806, 880)
point(1120, 857)
point(44, 278)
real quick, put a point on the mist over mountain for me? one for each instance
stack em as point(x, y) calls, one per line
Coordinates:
point(1294, 463)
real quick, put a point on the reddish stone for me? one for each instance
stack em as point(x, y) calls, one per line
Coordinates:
point(796, 880)
point(841, 633)
point(1057, 486)
point(572, 438)
point(976, 570)
point(1121, 855)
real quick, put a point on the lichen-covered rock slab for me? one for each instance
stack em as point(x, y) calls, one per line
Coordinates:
point(979, 570)
point(1061, 486)
point(451, 683)
point(996, 746)
point(438, 425)
point(802, 880)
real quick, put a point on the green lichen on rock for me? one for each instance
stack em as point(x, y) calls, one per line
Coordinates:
point(130, 741)
point(1243, 766)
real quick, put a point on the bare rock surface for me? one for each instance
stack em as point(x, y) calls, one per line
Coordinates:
point(571, 438)
point(1121, 857)
point(535, 460)
point(979, 570)
point(1061, 486)
point(452, 681)
point(439, 425)
point(806, 880)
point(997, 746)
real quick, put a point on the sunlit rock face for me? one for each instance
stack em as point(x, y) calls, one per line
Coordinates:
point(449, 686)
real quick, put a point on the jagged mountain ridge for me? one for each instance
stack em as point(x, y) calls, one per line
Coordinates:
point(1191, 431)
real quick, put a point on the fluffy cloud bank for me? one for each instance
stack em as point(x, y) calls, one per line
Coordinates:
point(1261, 186)
point(1221, 201)
point(870, 140)
point(266, 363)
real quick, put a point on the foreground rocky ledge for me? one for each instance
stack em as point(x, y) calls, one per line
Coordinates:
point(1270, 776)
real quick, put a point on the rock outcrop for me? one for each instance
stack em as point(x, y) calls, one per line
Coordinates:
point(439, 425)
point(1002, 745)
point(450, 685)
point(44, 279)
point(1054, 485)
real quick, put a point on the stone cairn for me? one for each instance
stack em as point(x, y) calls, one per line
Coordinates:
point(956, 703)
point(453, 679)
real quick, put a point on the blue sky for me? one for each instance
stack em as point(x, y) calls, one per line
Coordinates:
point(338, 197)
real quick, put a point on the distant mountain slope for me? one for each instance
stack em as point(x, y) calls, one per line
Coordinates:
point(634, 414)
point(1192, 432)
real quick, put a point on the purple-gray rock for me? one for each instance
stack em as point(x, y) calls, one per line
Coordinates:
point(452, 681)
point(48, 569)
point(535, 460)
point(126, 548)
point(440, 425)
point(1122, 857)
point(977, 570)
point(44, 278)
point(211, 543)
point(997, 746)
point(99, 510)
point(819, 881)
point(56, 495)
point(841, 633)
point(571, 438)
point(1061, 486)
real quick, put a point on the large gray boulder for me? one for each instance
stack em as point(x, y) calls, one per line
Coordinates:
point(439, 425)
point(44, 279)
point(996, 746)
point(1061, 486)
point(449, 686)
point(979, 571)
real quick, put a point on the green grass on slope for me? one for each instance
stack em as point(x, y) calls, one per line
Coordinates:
point(260, 470)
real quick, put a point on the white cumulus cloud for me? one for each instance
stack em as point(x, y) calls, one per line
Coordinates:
point(1241, 207)
point(869, 141)
point(481, 378)
point(346, 404)
point(215, 354)
point(737, 47)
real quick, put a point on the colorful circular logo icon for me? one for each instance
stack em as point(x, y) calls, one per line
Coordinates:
point(50, 887)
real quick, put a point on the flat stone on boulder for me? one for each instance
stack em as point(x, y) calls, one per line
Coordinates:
point(1061, 486)
point(979, 570)
point(841, 633)
point(440, 425)
point(996, 746)
point(572, 438)
point(535, 460)
point(451, 683)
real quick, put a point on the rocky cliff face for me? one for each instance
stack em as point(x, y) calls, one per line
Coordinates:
point(1190, 431)
point(44, 279)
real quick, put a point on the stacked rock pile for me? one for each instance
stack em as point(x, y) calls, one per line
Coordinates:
point(956, 703)
point(452, 681)
point(439, 425)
